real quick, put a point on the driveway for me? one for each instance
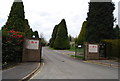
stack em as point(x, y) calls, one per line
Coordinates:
point(59, 66)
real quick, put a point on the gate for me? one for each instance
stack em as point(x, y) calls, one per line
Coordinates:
point(32, 50)
point(79, 51)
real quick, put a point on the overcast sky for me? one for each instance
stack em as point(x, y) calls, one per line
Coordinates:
point(43, 15)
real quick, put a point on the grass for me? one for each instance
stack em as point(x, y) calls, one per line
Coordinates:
point(80, 57)
point(76, 49)
point(71, 49)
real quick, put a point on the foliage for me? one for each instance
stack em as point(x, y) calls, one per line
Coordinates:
point(52, 40)
point(43, 42)
point(62, 41)
point(117, 32)
point(70, 38)
point(36, 34)
point(16, 20)
point(12, 45)
point(100, 21)
point(112, 47)
point(81, 37)
point(28, 31)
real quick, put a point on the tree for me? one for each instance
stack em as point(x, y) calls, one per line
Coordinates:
point(62, 41)
point(81, 37)
point(117, 32)
point(36, 34)
point(27, 30)
point(100, 21)
point(16, 20)
point(53, 35)
point(43, 41)
point(70, 38)
point(16, 17)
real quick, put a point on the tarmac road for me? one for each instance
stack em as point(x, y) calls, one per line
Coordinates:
point(60, 66)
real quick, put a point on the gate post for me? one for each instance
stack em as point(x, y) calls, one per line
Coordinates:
point(31, 50)
point(85, 50)
point(91, 51)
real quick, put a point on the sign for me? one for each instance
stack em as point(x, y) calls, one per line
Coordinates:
point(93, 48)
point(79, 46)
point(32, 44)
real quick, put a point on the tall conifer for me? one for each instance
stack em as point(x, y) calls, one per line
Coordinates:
point(62, 40)
point(52, 40)
point(16, 19)
point(81, 37)
point(100, 21)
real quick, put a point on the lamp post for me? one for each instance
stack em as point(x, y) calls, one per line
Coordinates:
point(33, 36)
point(75, 49)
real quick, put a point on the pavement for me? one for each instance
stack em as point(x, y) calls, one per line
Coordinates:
point(21, 71)
point(109, 63)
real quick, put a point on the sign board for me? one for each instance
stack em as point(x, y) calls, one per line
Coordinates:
point(32, 44)
point(93, 48)
point(79, 46)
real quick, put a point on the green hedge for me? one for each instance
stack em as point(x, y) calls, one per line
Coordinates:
point(112, 48)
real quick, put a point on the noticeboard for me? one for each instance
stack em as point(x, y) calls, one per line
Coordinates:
point(93, 48)
point(32, 44)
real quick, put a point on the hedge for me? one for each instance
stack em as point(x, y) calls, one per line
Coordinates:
point(112, 48)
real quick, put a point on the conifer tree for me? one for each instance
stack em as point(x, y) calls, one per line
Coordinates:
point(16, 20)
point(53, 35)
point(117, 32)
point(27, 30)
point(62, 40)
point(100, 21)
point(81, 37)
point(16, 17)
point(36, 34)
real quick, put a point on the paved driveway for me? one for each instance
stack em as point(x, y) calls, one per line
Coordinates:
point(60, 66)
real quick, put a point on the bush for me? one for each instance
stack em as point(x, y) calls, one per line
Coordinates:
point(12, 46)
point(112, 48)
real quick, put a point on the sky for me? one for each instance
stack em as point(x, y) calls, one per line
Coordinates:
point(43, 15)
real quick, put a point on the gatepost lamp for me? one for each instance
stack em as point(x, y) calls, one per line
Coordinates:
point(33, 36)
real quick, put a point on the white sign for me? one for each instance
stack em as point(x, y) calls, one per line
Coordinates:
point(79, 46)
point(93, 48)
point(32, 44)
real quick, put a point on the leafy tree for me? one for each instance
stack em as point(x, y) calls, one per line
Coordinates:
point(53, 35)
point(100, 21)
point(62, 41)
point(81, 37)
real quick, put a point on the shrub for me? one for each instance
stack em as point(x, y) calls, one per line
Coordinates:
point(12, 46)
point(112, 47)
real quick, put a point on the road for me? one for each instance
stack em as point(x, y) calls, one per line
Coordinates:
point(60, 66)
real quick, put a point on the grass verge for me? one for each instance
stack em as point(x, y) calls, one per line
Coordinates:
point(80, 57)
